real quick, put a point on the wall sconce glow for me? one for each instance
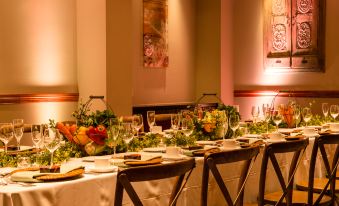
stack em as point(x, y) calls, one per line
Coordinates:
point(48, 110)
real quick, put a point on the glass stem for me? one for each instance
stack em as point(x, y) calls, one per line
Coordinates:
point(52, 159)
point(6, 148)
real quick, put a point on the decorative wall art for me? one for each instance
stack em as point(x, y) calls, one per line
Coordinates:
point(155, 33)
point(294, 35)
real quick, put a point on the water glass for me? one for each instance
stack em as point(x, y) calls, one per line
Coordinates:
point(277, 118)
point(18, 125)
point(114, 128)
point(234, 123)
point(150, 119)
point(36, 135)
point(6, 133)
point(187, 126)
point(334, 111)
point(127, 133)
point(51, 141)
point(255, 113)
point(325, 109)
point(296, 114)
point(307, 114)
point(175, 122)
point(137, 122)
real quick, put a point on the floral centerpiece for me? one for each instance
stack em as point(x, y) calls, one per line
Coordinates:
point(91, 131)
point(209, 124)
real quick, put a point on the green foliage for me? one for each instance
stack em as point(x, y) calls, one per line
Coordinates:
point(149, 140)
point(260, 127)
point(179, 139)
point(94, 118)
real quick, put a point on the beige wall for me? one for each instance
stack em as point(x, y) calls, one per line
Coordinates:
point(208, 47)
point(91, 49)
point(120, 56)
point(175, 84)
point(248, 57)
point(37, 46)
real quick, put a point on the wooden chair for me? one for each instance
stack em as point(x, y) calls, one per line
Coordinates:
point(322, 185)
point(153, 172)
point(211, 161)
point(287, 196)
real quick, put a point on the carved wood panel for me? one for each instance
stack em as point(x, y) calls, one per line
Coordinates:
point(293, 35)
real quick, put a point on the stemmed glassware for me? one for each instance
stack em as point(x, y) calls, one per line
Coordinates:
point(137, 123)
point(114, 128)
point(234, 123)
point(18, 125)
point(255, 113)
point(325, 109)
point(187, 126)
point(277, 118)
point(267, 115)
point(127, 133)
point(296, 114)
point(224, 122)
point(334, 111)
point(36, 135)
point(307, 114)
point(51, 140)
point(175, 122)
point(6, 133)
point(151, 119)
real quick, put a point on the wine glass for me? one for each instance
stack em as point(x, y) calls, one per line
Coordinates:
point(36, 135)
point(255, 113)
point(18, 125)
point(267, 115)
point(114, 128)
point(175, 122)
point(277, 118)
point(224, 124)
point(127, 133)
point(296, 114)
point(325, 109)
point(137, 122)
point(334, 111)
point(187, 126)
point(6, 133)
point(51, 140)
point(307, 114)
point(151, 119)
point(234, 123)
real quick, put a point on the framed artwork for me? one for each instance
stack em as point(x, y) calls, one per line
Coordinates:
point(155, 33)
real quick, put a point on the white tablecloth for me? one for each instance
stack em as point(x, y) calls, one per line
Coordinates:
point(99, 189)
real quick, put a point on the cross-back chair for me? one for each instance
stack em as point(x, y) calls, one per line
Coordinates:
point(211, 160)
point(125, 177)
point(322, 185)
point(287, 195)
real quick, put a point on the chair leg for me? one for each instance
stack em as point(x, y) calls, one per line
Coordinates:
point(119, 192)
point(204, 185)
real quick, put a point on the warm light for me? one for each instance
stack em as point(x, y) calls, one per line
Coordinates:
point(48, 110)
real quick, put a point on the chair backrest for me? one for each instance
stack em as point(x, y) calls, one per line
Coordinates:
point(271, 149)
point(211, 161)
point(153, 172)
point(319, 144)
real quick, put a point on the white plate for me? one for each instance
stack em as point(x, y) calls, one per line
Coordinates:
point(111, 168)
point(91, 158)
point(252, 136)
point(276, 140)
point(202, 142)
point(155, 149)
point(168, 130)
point(173, 157)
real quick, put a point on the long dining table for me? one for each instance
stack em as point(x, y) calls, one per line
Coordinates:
point(99, 188)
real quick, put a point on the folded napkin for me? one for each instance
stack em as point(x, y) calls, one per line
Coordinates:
point(144, 161)
point(201, 153)
point(30, 176)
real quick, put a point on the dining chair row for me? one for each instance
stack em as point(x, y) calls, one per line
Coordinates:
point(310, 192)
